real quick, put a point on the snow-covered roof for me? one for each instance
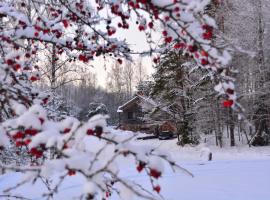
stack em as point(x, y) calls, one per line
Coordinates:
point(120, 108)
point(136, 97)
point(147, 100)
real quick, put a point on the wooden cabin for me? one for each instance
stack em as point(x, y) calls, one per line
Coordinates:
point(142, 114)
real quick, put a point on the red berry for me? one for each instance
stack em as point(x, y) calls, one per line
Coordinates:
point(157, 188)
point(207, 35)
point(228, 103)
point(65, 146)
point(83, 58)
point(150, 24)
point(203, 53)
point(140, 166)
point(39, 154)
point(230, 91)
point(41, 120)
point(132, 4)
point(119, 61)
point(36, 34)
point(19, 143)
point(141, 28)
point(31, 132)
point(155, 173)
point(16, 67)
point(176, 9)
point(167, 18)
point(26, 68)
point(46, 31)
point(179, 45)
point(108, 194)
point(33, 78)
point(18, 135)
point(10, 62)
point(35, 152)
point(65, 23)
point(38, 28)
point(156, 60)
point(207, 27)
point(192, 48)
point(204, 62)
point(27, 55)
point(168, 39)
point(66, 130)
point(164, 33)
point(71, 172)
point(27, 141)
point(90, 132)
point(45, 100)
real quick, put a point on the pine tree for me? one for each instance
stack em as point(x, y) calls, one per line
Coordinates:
point(173, 89)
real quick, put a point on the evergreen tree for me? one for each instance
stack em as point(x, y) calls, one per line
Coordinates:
point(97, 108)
point(174, 86)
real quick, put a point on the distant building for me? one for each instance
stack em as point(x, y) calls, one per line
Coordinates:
point(143, 114)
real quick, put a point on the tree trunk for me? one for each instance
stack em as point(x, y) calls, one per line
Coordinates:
point(53, 68)
point(232, 140)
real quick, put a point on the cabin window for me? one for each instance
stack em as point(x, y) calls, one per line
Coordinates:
point(130, 115)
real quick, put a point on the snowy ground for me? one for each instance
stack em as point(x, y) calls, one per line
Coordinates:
point(239, 173)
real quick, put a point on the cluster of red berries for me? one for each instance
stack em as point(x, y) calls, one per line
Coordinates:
point(153, 173)
point(208, 34)
point(96, 132)
point(23, 138)
point(38, 151)
point(229, 102)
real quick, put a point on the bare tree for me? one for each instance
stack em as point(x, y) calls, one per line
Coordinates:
point(128, 76)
